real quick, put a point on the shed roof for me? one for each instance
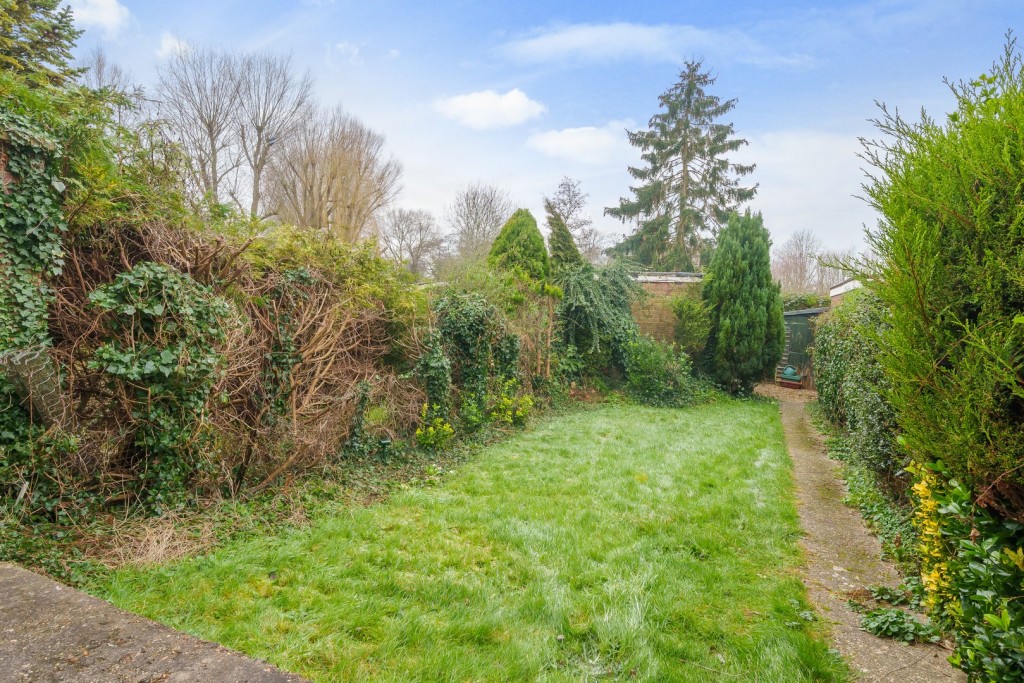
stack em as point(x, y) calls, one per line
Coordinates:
point(806, 311)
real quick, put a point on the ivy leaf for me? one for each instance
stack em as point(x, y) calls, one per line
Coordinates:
point(58, 185)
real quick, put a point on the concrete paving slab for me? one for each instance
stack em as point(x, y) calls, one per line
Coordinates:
point(49, 632)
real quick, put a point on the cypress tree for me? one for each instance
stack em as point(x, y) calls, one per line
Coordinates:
point(564, 253)
point(747, 329)
point(520, 247)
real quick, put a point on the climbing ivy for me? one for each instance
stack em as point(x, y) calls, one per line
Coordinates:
point(162, 329)
point(32, 227)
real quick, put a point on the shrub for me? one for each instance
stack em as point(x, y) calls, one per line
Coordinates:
point(973, 572)
point(658, 375)
point(747, 330)
point(693, 323)
point(595, 315)
point(435, 433)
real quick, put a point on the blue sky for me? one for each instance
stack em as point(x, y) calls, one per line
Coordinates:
point(522, 93)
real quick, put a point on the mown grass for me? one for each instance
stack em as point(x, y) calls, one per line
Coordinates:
point(620, 543)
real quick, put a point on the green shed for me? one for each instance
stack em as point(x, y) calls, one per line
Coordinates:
point(797, 353)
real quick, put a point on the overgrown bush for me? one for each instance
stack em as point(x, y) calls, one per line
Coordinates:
point(595, 315)
point(659, 375)
point(161, 358)
point(852, 386)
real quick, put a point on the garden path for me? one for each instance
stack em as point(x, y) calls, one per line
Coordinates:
point(50, 633)
point(843, 558)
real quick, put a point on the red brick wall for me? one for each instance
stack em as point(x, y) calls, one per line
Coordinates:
point(655, 316)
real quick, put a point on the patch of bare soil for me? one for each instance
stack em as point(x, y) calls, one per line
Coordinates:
point(843, 559)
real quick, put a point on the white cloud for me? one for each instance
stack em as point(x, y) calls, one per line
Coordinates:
point(586, 145)
point(349, 52)
point(807, 180)
point(394, 54)
point(490, 109)
point(171, 45)
point(660, 43)
point(109, 15)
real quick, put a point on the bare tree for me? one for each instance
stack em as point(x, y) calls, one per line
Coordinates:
point(803, 266)
point(411, 237)
point(332, 174)
point(199, 99)
point(125, 97)
point(794, 263)
point(272, 104)
point(475, 217)
point(570, 201)
point(102, 74)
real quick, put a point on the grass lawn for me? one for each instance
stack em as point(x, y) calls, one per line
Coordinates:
point(621, 543)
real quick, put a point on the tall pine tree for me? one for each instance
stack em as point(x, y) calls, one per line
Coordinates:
point(747, 329)
point(687, 187)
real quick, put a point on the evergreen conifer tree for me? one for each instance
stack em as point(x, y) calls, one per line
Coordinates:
point(564, 253)
point(36, 37)
point(688, 187)
point(520, 247)
point(747, 329)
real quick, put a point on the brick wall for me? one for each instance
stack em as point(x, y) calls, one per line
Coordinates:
point(655, 316)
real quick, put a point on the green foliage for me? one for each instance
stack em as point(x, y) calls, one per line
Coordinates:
point(658, 375)
point(688, 187)
point(852, 385)
point(32, 228)
point(162, 329)
point(465, 323)
point(890, 622)
point(747, 330)
point(564, 253)
point(973, 573)
point(799, 302)
point(950, 256)
point(484, 363)
point(519, 247)
point(434, 373)
point(595, 314)
point(693, 323)
point(435, 432)
point(509, 406)
point(950, 252)
point(36, 38)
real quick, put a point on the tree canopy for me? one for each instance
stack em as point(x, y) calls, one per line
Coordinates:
point(687, 186)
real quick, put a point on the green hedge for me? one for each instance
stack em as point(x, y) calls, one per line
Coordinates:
point(852, 386)
point(949, 262)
